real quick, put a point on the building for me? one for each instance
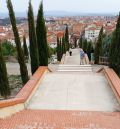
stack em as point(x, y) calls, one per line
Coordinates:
point(92, 33)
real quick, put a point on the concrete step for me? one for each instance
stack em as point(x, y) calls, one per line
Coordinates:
point(75, 67)
point(62, 65)
point(73, 70)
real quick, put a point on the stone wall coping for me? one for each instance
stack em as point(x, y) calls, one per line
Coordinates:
point(113, 79)
point(26, 91)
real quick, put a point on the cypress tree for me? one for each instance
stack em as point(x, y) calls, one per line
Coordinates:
point(41, 37)
point(114, 55)
point(80, 42)
point(25, 49)
point(98, 46)
point(23, 68)
point(4, 84)
point(63, 45)
point(85, 43)
point(61, 49)
point(58, 49)
point(67, 38)
point(89, 48)
point(75, 42)
point(32, 40)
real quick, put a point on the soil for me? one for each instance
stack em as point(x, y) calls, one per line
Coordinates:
point(15, 84)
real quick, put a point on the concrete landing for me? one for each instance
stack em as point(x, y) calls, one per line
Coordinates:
point(75, 91)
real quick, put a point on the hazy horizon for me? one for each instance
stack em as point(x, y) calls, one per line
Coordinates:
point(60, 14)
point(75, 6)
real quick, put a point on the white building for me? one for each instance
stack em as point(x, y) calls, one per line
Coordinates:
point(91, 33)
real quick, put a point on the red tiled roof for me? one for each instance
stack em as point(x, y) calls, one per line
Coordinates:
point(60, 34)
point(51, 39)
point(93, 28)
point(49, 33)
point(98, 23)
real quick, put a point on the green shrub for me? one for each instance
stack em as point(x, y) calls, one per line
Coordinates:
point(8, 49)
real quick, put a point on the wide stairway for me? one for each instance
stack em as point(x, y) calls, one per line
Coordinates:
point(71, 97)
point(74, 68)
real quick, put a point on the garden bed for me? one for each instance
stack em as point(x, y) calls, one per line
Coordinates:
point(15, 84)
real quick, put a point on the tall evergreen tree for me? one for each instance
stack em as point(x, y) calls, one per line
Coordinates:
point(4, 84)
point(42, 38)
point(85, 43)
point(114, 56)
point(75, 42)
point(89, 48)
point(58, 50)
point(23, 68)
point(98, 47)
point(63, 45)
point(32, 40)
point(61, 49)
point(106, 45)
point(67, 38)
point(25, 49)
point(80, 42)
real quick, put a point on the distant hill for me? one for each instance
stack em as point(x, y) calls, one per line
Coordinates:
point(64, 13)
point(60, 14)
point(18, 14)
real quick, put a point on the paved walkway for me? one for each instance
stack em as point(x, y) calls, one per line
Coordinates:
point(74, 91)
point(74, 59)
point(69, 100)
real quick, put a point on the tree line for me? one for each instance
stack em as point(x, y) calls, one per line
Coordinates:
point(106, 46)
point(86, 46)
point(109, 45)
point(63, 44)
point(38, 46)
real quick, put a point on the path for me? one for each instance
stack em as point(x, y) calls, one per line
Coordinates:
point(74, 90)
point(69, 99)
point(74, 59)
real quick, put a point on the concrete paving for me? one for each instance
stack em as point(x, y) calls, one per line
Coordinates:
point(87, 91)
point(74, 91)
point(74, 59)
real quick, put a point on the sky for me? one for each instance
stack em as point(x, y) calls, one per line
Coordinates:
point(91, 6)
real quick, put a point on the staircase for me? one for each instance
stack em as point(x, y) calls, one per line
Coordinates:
point(74, 68)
